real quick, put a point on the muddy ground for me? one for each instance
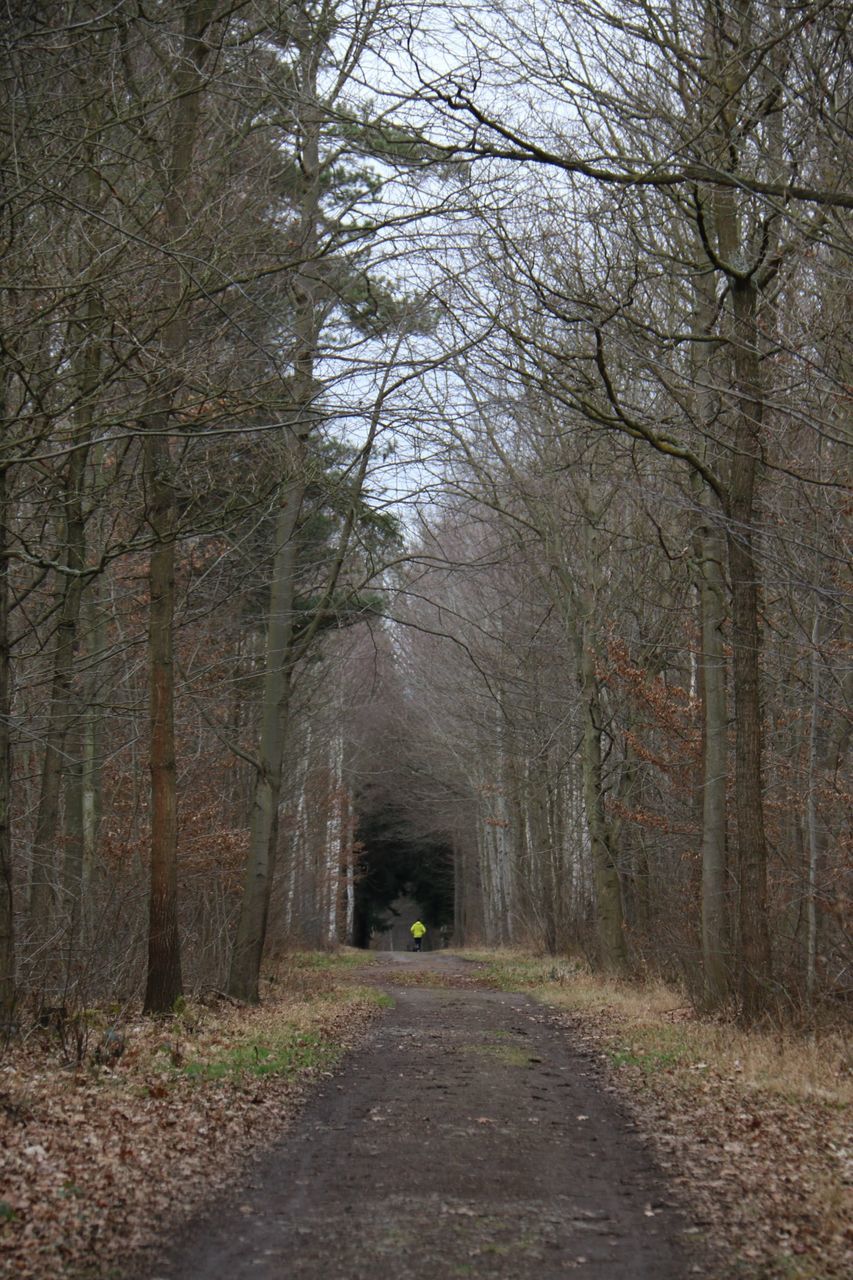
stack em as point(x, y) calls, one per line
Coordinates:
point(467, 1137)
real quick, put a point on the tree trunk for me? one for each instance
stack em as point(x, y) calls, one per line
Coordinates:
point(7, 934)
point(608, 895)
point(43, 886)
point(72, 862)
point(254, 908)
point(715, 941)
point(92, 748)
point(754, 975)
point(710, 583)
point(815, 835)
point(164, 985)
point(257, 887)
point(560, 863)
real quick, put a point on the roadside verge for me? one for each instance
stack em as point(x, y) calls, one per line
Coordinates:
point(113, 1129)
point(753, 1128)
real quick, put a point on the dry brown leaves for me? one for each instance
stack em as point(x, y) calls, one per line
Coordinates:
point(766, 1177)
point(98, 1162)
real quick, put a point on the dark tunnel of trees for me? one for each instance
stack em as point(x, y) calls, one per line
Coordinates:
point(394, 862)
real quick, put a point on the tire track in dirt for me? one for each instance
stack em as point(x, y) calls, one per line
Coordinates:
point(466, 1138)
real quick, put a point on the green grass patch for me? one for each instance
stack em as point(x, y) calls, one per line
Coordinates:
point(282, 1055)
point(324, 961)
point(380, 998)
point(345, 995)
point(653, 1060)
point(515, 971)
point(278, 1044)
point(659, 1047)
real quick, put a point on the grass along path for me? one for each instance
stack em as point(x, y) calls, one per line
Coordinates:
point(100, 1159)
point(753, 1127)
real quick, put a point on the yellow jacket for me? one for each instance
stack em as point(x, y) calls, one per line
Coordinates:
point(417, 930)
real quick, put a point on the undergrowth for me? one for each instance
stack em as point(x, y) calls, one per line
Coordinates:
point(662, 1033)
point(752, 1125)
point(189, 1095)
point(339, 961)
point(285, 1054)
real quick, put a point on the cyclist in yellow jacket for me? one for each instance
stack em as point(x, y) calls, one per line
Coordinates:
point(417, 931)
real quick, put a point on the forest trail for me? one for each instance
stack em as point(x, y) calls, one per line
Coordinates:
point(466, 1137)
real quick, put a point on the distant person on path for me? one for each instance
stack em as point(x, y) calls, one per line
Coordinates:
point(417, 931)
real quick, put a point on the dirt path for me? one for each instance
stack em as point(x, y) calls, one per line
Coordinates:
point(466, 1138)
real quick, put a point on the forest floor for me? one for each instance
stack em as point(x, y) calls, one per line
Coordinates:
point(752, 1129)
point(102, 1154)
point(509, 1117)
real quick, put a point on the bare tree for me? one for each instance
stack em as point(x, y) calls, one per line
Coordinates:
point(7, 936)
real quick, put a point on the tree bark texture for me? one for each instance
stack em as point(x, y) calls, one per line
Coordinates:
point(754, 958)
point(164, 985)
point(608, 893)
point(715, 940)
point(45, 870)
point(7, 928)
point(72, 862)
point(710, 581)
point(813, 828)
point(244, 978)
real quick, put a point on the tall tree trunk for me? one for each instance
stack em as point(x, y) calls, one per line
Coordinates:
point(560, 877)
point(43, 885)
point(728, 41)
point(754, 976)
point(246, 959)
point(715, 933)
point(813, 829)
point(7, 934)
point(92, 749)
point(72, 862)
point(86, 331)
point(710, 583)
point(608, 895)
point(164, 984)
point(263, 838)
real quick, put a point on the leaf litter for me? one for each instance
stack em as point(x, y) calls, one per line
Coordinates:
point(765, 1176)
point(99, 1162)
